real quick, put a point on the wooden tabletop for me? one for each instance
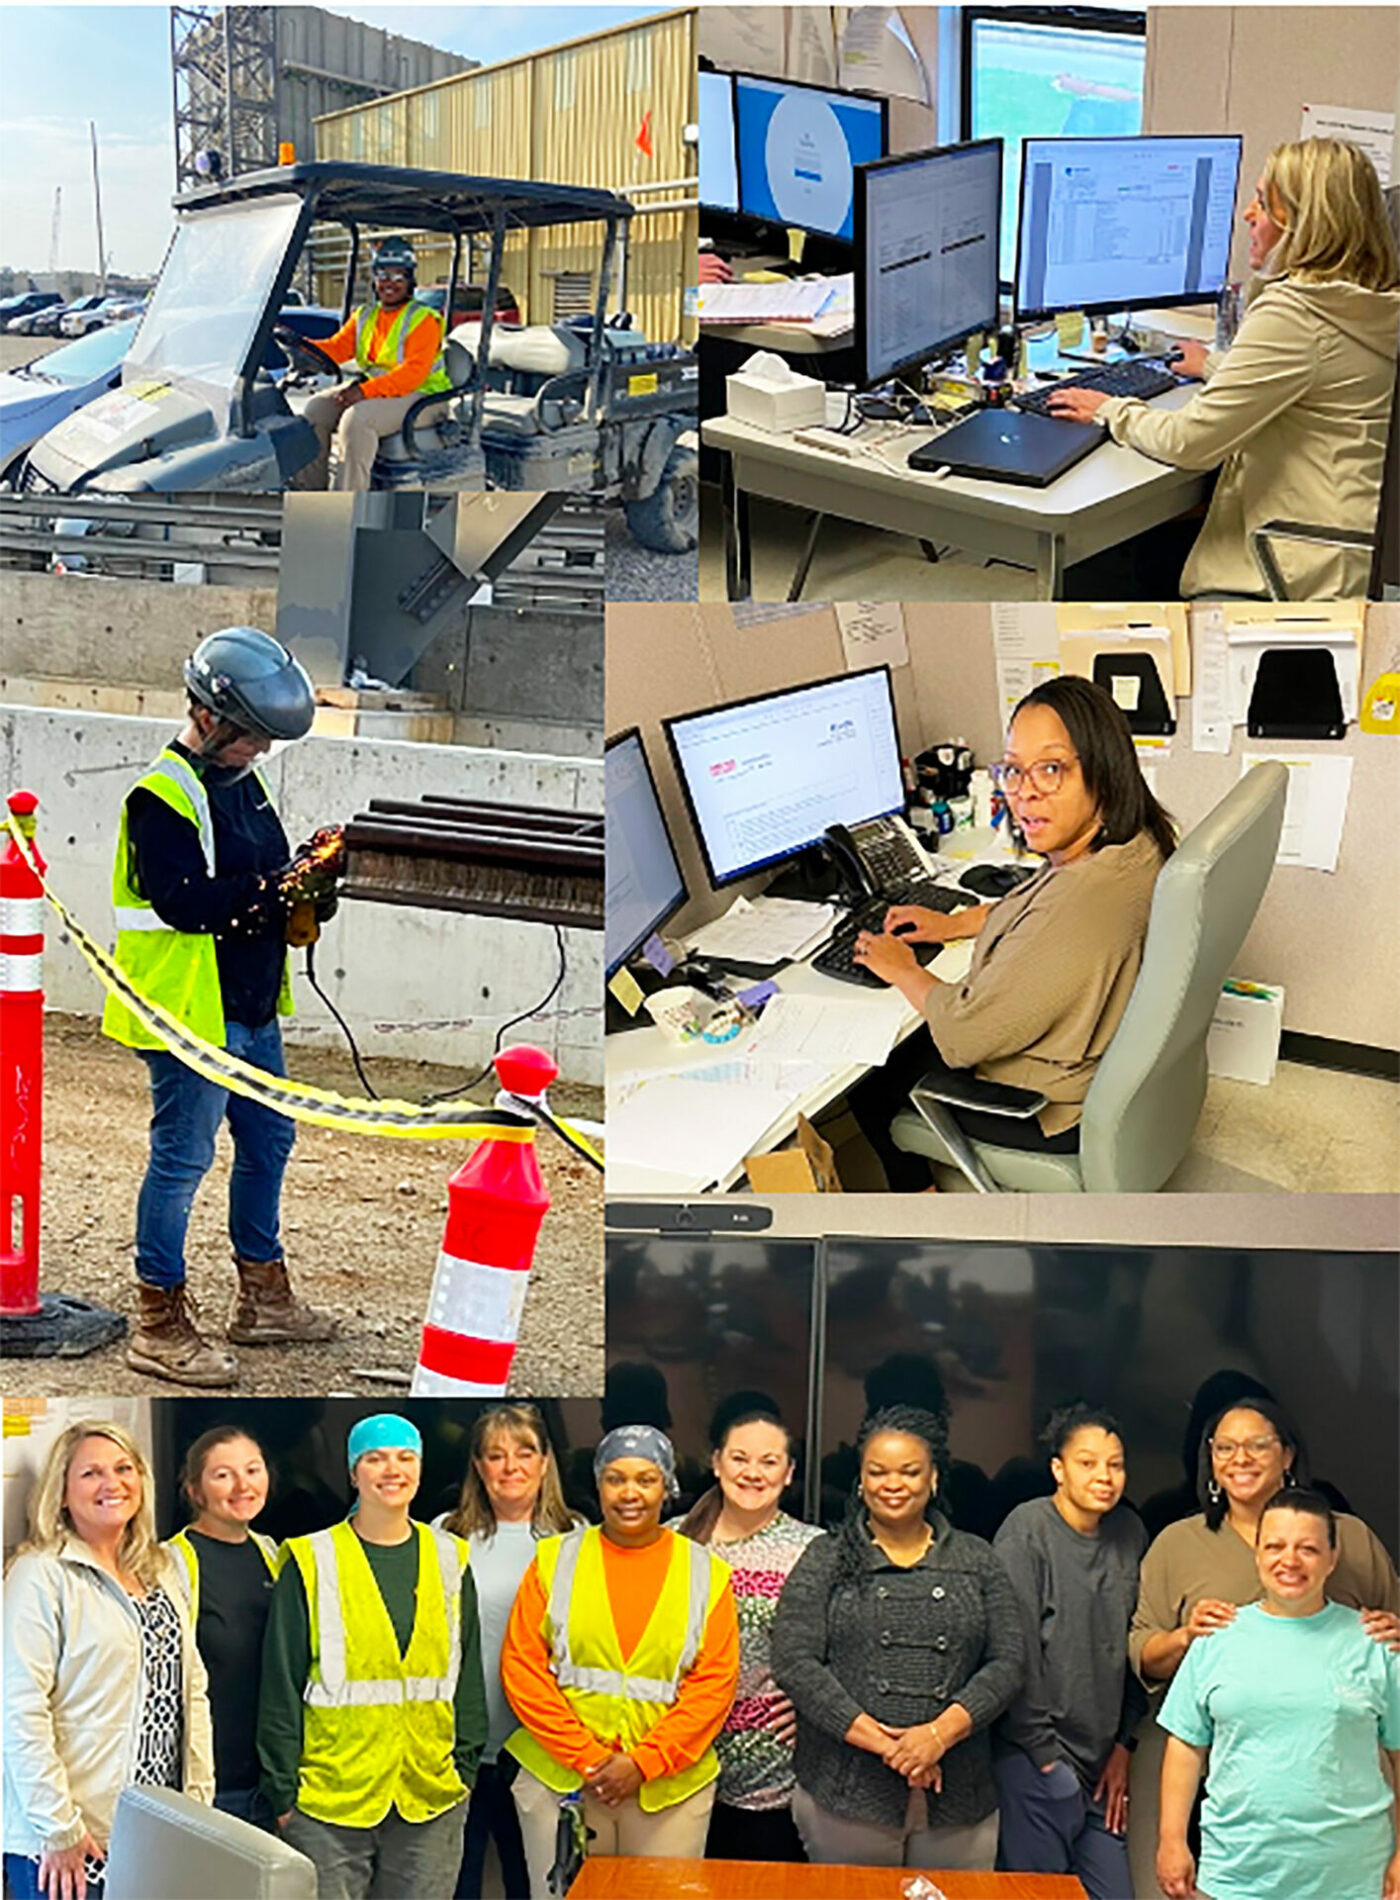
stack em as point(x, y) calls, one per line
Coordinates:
point(607, 1878)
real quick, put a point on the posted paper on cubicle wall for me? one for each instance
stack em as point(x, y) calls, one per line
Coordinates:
point(872, 633)
point(1316, 809)
point(1374, 132)
point(1026, 642)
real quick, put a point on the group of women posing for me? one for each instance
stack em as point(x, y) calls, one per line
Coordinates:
point(739, 1684)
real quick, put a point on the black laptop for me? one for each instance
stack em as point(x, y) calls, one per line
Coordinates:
point(1003, 445)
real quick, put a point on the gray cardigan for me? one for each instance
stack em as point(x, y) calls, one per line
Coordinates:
point(899, 1645)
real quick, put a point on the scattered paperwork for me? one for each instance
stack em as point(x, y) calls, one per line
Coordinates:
point(764, 930)
point(792, 301)
point(1316, 808)
point(672, 1127)
point(828, 1032)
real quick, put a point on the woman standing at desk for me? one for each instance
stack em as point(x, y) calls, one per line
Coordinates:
point(1055, 961)
point(1296, 415)
point(899, 1641)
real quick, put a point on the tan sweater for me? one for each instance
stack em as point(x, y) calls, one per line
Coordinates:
point(1050, 978)
point(1296, 415)
point(1188, 1562)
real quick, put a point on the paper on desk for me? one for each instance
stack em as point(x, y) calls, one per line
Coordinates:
point(1316, 808)
point(872, 633)
point(674, 1126)
point(1026, 642)
point(764, 930)
point(1211, 724)
point(829, 1031)
point(788, 302)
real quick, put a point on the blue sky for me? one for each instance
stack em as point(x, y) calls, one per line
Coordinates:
point(63, 65)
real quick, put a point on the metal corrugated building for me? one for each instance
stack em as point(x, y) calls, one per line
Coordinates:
point(570, 115)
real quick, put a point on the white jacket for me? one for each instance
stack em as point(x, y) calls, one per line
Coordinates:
point(1296, 414)
point(74, 1695)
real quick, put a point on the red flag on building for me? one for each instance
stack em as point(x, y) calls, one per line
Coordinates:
point(644, 134)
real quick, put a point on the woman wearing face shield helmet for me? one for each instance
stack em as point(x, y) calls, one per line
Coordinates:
point(200, 896)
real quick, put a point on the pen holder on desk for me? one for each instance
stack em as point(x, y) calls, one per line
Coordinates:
point(680, 1013)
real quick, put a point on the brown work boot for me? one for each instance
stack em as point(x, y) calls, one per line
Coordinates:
point(168, 1344)
point(267, 1312)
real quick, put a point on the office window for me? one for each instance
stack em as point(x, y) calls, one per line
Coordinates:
point(1042, 72)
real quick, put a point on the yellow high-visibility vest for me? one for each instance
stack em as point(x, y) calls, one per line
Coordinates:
point(389, 352)
point(188, 1567)
point(618, 1699)
point(177, 969)
point(379, 1727)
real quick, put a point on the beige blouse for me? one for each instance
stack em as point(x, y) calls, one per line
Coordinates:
point(1187, 1562)
point(1050, 978)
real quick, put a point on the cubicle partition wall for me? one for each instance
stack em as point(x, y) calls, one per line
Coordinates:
point(1005, 1330)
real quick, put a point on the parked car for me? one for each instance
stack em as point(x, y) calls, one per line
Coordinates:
point(114, 309)
point(38, 396)
point(468, 302)
point(23, 303)
point(46, 322)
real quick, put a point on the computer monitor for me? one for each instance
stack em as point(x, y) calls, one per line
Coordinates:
point(798, 148)
point(644, 881)
point(719, 165)
point(926, 255)
point(763, 778)
point(1124, 223)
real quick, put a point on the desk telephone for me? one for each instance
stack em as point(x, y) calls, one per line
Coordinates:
point(879, 863)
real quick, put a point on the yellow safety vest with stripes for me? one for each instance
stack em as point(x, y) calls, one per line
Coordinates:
point(379, 1726)
point(388, 353)
point(187, 1567)
point(618, 1699)
point(177, 969)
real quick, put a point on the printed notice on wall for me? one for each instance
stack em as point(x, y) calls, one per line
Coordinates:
point(1026, 641)
point(1316, 809)
point(1211, 724)
point(872, 633)
point(1374, 132)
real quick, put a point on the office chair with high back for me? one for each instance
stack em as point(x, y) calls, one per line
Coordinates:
point(1144, 1101)
point(165, 1846)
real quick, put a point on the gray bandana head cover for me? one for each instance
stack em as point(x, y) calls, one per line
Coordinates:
point(639, 1441)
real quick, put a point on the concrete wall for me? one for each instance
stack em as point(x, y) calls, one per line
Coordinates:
point(388, 969)
point(508, 664)
point(121, 632)
point(1328, 937)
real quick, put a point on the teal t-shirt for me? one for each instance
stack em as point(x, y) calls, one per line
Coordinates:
point(1292, 1710)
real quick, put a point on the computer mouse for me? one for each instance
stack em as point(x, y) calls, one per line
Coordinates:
point(904, 930)
point(993, 880)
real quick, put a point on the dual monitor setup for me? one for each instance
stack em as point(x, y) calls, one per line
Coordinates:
point(764, 781)
point(1104, 225)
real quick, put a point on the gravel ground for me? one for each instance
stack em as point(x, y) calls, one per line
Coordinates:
point(15, 350)
point(362, 1221)
point(636, 573)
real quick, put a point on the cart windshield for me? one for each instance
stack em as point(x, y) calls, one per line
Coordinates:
point(213, 290)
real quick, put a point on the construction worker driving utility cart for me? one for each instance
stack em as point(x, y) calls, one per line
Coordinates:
point(397, 344)
point(203, 888)
point(372, 1715)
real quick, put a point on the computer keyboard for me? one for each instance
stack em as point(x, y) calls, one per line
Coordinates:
point(838, 958)
point(1138, 376)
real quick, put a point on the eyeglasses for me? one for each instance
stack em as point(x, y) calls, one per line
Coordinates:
point(1227, 1448)
point(1046, 776)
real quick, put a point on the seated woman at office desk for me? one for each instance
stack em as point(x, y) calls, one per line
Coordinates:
point(1296, 414)
point(1055, 961)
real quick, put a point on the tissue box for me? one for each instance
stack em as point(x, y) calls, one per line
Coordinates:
point(770, 394)
point(1244, 1034)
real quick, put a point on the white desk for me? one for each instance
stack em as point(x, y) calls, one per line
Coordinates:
point(640, 1050)
point(1112, 495)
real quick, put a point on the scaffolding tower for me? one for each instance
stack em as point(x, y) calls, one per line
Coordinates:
point(224, 64)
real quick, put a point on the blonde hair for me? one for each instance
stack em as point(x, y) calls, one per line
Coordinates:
point(1334, 216)
point(474, 1516)
point(50, 1526)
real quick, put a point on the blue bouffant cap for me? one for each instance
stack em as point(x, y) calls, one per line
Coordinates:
point(385, 1431)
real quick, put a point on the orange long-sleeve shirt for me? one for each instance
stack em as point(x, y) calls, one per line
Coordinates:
point(420, 352)
point(634, 1580)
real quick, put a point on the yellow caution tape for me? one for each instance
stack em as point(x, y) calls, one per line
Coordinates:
point(300, 1101)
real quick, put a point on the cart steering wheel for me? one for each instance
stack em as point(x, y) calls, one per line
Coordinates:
point(311, 354)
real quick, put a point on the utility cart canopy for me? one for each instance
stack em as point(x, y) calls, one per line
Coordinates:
point(414, 200)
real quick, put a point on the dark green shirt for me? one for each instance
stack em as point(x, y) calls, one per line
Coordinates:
point(287, 1665)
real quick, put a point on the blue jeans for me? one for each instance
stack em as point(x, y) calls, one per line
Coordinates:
point(247, 1804)
point(1050, 1826)
point(186, 1112)
point(22, 1879)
